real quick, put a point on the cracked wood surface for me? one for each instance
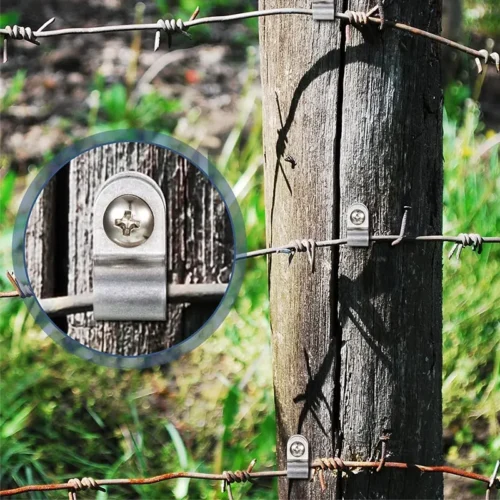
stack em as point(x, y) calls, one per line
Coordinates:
point(356, 344)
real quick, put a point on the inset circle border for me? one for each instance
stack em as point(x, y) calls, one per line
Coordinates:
point(19, 241)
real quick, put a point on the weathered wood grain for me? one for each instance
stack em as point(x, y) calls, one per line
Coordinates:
point(300, 79)
point(40, 244)
point(357, 344)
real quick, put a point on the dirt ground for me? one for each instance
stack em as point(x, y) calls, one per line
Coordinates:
point(54, 105)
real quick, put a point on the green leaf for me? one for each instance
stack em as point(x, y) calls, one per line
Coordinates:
point(6, 192)
point(114, 102)
point(182, 487)
point(17, 424)
point(231, 406)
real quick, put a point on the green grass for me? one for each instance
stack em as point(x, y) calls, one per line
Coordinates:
point(471, 292)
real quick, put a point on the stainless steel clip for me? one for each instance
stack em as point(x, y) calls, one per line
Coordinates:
point(297, 458)
point(323, 10)
point(130, 250)
point(358, 226)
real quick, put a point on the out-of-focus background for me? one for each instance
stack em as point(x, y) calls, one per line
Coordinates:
point(61, 417)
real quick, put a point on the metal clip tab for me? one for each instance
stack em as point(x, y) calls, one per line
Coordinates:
point(297, 458)
point(130, 250)
point(358, 226)
point(323, 10)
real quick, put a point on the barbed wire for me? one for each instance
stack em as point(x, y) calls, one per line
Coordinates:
point(178, 26)
point(211, 293)
point(476, 241)
point(318, 469)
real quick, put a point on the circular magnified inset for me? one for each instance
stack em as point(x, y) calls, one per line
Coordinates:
point(129, 248)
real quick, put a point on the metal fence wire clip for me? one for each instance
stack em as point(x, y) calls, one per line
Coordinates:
point(323, 10)
point(130, 250)
point(297, 458)
point(358, 226)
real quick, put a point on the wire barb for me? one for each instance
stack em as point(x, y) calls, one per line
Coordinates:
point(403, 227)
point(494, 481)
point(172, 26)
point(485, 55)
point(236, 477)
point(22, 33)
point(357, 19)
point(323, 464)
point(467, 240)
point(18, 290)
point(384, 439)
point(308, 246)
point(86, 483)
point(495, 57)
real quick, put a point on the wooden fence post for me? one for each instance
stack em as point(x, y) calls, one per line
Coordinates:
point(199, 242)
point(352, 118)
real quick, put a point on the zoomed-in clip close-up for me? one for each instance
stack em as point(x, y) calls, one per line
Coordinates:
point(130, 250)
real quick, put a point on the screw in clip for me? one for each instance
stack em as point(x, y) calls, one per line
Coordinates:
point(128, 221)
point(358, 217)
point(297, 449)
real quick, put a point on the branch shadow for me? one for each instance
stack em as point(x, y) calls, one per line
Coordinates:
point(360, 310)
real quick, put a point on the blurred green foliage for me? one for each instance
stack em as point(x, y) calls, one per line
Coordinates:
point(113, 108)
point(482, 17)
point(471, 292)
point(14, 91)
point(9, 18)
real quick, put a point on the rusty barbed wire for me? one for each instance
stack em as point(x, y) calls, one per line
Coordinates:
point(178, 26)
point(318, 468)
point(461, 241)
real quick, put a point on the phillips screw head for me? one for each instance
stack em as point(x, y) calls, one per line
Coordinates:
point(358, 217)
point(297, 449)
point(128, 221)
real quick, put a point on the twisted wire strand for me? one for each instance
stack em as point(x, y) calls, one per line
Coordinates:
point(86, 483)
point(461, 241)
point(323, 464)
point(22, 33)
point(475, 241)
point(354, 18)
